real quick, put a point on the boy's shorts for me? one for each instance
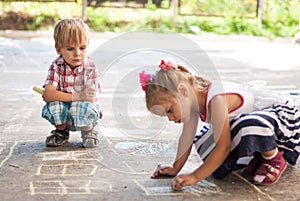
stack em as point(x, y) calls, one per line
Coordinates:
point(76, 114)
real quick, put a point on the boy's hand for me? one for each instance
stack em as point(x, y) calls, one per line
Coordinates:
point(88, 94)
point(164, 170)
point(183, 180)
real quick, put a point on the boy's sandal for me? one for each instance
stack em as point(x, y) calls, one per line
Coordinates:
point(56, 139)
point(270, 171)
point(89, 139)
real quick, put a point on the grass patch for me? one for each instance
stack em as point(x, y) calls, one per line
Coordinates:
point(42, 16)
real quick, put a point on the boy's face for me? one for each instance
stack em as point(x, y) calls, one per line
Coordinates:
point(74, 55)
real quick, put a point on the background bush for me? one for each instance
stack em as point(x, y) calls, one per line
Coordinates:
point(281, 17)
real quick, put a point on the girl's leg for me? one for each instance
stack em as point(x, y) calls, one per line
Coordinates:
point(270, 154)
point(257, 160)
point(250, 169)
point(254, 133)
point(271, 168)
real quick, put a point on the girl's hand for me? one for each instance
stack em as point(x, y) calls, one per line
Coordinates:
point(183, 180)
point(164, 170)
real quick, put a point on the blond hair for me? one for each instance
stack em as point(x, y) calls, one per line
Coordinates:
point(164, 84)
point(70, 31)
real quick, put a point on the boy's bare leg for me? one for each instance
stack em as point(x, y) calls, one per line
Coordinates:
point(61, 127)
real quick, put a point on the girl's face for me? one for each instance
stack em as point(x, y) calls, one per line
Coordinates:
point(177, 107)
point(168, 107)
point(74, 55)
point(172, 108)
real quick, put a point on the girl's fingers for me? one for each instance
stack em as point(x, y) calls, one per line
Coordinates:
point(155, 174)
point(177, 183)
point(159, 171)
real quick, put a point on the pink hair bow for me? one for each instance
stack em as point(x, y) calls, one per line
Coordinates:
point(144, 79)
point(169, 63)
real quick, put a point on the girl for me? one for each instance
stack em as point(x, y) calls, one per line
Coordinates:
point(243, 122)
point(71, 86)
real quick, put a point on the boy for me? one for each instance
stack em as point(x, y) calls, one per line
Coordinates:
point(71, 86)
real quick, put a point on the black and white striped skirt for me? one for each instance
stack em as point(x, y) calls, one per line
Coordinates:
point(260, 131)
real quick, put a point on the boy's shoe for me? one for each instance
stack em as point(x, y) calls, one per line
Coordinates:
point(255, 162)
point(89, 138)
point(270, 171)
point(57, 138)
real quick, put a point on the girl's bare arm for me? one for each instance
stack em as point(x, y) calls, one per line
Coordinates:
point(220, 122)
point(186, 141)
point(183, 150)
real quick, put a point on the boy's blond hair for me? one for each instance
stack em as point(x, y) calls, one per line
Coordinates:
point(70, 31)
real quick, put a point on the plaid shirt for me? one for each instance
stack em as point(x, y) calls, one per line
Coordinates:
point(66, 79)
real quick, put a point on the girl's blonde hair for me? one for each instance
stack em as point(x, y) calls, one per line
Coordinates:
point(70, 31)
point(164, 84)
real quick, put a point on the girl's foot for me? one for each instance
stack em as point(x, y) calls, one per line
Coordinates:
point(251, 168)
point(270, 171)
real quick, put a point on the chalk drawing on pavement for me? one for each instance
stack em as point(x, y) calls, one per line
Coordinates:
point(67, 170)
point(67, 155)
point(9, 154)
point(162, 187)
point(64, 187)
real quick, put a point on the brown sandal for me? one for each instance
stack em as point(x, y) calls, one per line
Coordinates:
point(89, 139)
point(57, 139)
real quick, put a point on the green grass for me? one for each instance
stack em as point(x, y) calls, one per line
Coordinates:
point(281, 22)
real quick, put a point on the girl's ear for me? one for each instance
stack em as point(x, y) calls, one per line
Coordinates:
point(183, 89)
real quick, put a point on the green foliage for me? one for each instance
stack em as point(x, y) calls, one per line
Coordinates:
point(150, 6)
point(219, 7)
point(41, 22)
point(280, 17)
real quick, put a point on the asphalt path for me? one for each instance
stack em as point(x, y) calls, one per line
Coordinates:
point(132, 141)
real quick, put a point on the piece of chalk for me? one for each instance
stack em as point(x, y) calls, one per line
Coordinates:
point(295, 93)
point(39, 90)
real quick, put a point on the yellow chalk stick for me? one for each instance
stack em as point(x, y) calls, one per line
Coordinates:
point(39, 90)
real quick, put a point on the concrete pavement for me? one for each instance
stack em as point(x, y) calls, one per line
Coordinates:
point(132, 142)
